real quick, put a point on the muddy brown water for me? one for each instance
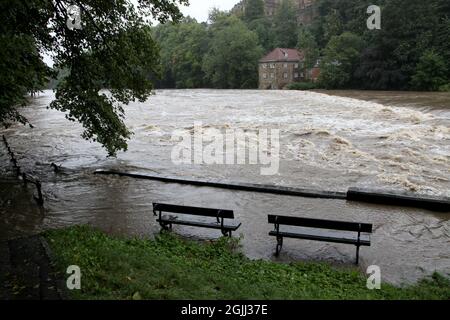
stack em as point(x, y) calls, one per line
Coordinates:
point(392, 141)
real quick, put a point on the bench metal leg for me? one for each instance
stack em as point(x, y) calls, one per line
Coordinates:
point(279, 245)
point(227, 233)
point(357, 255)
point(166, 226)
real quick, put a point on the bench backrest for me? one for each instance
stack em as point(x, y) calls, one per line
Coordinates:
point(321, 224)
point(196, 211)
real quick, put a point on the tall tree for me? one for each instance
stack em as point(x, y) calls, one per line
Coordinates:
point(183, 47)
point(254, 9)
point(266, 35)
point(333, 25)
point(308, 45)
point(21, 42)
point(232, 60)
point(286, 25)
point(113, 49)
point(409, 28)
point(341, 57)
point(431, 72)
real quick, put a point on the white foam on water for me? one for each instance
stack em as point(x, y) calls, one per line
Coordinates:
point(393, 145)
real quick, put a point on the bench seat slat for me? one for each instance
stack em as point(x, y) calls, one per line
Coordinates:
point(196, 211)
point(325, 237)
point(322, 224)
point(226, 226)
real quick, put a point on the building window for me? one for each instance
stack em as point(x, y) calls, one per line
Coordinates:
point(265, 75)
point(272, 66)
point(285, 65)
point(285, 75)
point(302, 75)
point(265, 66)
point(272, 75)
point(296, 66)
point(296, 75)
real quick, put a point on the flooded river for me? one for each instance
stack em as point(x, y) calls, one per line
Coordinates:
point(328, 142)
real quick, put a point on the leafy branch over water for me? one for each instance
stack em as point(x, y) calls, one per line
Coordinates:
point(113, 49)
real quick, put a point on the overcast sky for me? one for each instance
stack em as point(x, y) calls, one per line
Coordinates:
point(199, 9)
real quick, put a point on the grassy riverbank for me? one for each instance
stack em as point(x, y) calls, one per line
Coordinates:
point(172, 268)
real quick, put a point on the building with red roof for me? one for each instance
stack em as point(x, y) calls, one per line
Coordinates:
point(283, 66)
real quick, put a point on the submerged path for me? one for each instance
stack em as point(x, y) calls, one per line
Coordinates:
point(354, 194)
point(305, 193)
point(26, 271)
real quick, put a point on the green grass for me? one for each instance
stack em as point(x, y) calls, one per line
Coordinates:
point(173, 268)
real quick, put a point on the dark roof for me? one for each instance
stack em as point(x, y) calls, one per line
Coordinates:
point(282, 54)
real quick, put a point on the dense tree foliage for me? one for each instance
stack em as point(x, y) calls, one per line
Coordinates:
point(431, 72)
point(340, 60)
point(254, 9)
point(308, 45)
point(113, 49)
point(285, 24)
point(263, 27)
point(392, 56)
point(182, 48)
point(21, 42)
point(411, 51)
point(232, 59)
point(223, 54)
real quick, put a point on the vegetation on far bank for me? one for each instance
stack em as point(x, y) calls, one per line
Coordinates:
point(302, 86)
point(172, 268)
point(410, 52)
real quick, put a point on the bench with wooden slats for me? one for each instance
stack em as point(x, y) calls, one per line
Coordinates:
point(352, 233)
point(167, 221)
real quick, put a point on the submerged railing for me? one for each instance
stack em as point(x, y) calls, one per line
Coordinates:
point(26, 177)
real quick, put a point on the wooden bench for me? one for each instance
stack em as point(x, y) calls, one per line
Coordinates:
point(357, 234)
point(166, 221)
